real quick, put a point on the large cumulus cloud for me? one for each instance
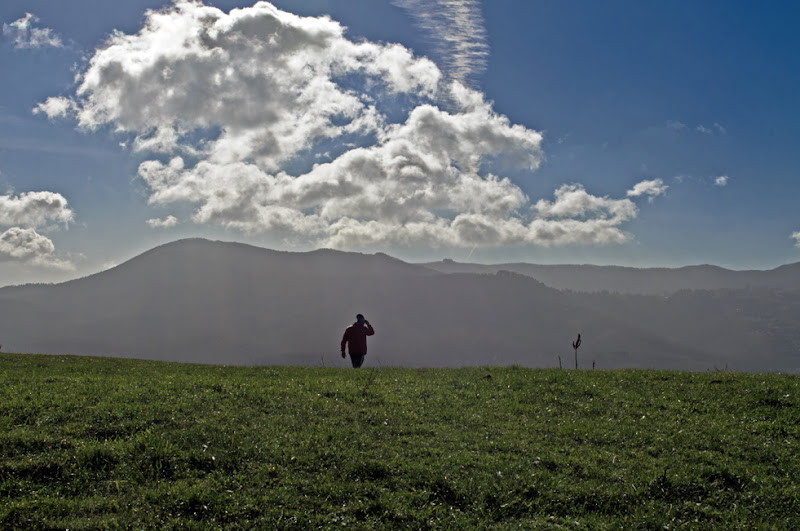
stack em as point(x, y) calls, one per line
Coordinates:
point(34, 209)
point(274, 82)
point(28, 246)
point(267, 121)
point(25, 213)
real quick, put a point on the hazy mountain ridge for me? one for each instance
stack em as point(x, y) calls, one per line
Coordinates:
point(753, 328)
point(216, 302)
point(643, 281)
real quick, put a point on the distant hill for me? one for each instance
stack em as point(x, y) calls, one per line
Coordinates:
point(641, 281)
point(216, 302)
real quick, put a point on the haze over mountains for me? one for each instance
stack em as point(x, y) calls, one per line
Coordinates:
point(641, 281)
point(216, 302)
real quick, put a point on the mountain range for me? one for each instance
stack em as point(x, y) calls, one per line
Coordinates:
point(632, 280)
point(228, 303)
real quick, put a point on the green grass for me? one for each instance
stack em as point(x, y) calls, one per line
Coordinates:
point(108, 443)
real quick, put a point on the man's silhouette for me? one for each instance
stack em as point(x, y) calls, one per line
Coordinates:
point(356, 335)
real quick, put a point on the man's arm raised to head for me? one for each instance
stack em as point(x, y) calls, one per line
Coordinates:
point(370, 330)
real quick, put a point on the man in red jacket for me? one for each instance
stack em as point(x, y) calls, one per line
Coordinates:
point(356, 334)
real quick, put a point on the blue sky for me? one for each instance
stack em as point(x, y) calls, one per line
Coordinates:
point(622, 132)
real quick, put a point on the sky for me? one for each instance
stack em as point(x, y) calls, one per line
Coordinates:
point(628, 133)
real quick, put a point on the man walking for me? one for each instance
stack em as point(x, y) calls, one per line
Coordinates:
point(356, 335)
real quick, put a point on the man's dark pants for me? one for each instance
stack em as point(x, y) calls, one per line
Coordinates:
point(357, 359)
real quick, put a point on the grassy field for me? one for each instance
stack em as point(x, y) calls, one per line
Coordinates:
point(91, 443)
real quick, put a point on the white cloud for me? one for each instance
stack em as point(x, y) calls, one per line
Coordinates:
point(231, 110)
point(652, 188)
point(24, 35)
point(24, 213)
point(267, 82)
point(28, 246)
point(55, 107)
point(575, 216)
point(34, 209)
point(110, 264)
point(675, 125)
point(457, 29)
point(167, 222)
point(796, 237)
point(428, 164)
point(573, 201)
point(722, 180)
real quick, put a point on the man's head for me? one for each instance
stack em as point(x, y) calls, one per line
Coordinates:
point(360, 318)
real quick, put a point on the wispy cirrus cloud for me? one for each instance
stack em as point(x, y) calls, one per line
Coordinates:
point(796, 237)
point(457, 30)
point(717, 128)
point(719, 181)
point(24, 34)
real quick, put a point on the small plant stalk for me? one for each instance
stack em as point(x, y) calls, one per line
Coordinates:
point(575, 345)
